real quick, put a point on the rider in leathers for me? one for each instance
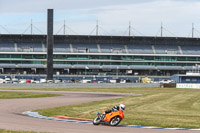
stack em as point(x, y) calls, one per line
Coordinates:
point(115, 108)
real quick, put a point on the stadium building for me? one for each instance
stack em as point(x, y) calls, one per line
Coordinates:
point(99, 55)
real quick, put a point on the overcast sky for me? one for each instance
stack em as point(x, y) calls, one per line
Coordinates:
point(113, 16)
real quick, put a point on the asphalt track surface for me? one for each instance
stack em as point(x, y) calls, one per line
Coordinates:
point(11, 114)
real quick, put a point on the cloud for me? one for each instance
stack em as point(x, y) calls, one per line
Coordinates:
point(177, 16)
point(113, 15)
point(35, 6)
point(26, 6)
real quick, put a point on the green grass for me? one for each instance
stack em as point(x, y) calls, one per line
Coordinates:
point(10, 131)
point(155, 107)
point(13, 95)
point(117, 90)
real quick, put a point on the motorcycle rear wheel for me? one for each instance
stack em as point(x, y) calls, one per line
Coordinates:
point(96, 121)
point(115, 121)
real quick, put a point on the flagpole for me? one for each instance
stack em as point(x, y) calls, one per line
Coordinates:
point(86, 67)
point(196, 68)
point(192, 69)
point(117, 71)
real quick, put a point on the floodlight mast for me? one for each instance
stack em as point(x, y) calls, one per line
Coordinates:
point(161, 33)
point(129, 29)
point(31, 27)
point(64, 29)
point(50, 43)
point(97, 28)
point(192, 30)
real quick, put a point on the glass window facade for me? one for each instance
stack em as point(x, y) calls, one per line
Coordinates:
point(101, 59)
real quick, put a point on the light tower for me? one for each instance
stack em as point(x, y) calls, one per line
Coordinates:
point(50, 43)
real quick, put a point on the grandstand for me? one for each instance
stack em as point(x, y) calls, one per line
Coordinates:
point(81, 54)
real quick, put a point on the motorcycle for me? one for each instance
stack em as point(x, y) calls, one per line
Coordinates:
point(112, 118)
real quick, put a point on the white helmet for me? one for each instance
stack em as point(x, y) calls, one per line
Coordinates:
point(122, 106)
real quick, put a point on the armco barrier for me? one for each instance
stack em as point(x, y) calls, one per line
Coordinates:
point(82, 85)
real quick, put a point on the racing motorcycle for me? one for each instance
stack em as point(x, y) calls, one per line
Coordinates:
point(112, 118)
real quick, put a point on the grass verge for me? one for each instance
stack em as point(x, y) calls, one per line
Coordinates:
point(10, 131)
point(117, 90)
point(13, 95)
point(155, 107)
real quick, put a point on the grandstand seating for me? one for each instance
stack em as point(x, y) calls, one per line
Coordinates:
point(104, 48)
point(114, 67)
point(191, 49)
point(92, 67)
point(122, 67)
point(85, 48)
point(166, 49)
point(65, 66)
point(29, 47)
point(142, 67)
point(140, 49)
point(79, 66)
point(112, 48)
point(61, 47)
point(7, 47)
point(7, 65)
point(188, 67)
point(31, 66)
point(169, 67)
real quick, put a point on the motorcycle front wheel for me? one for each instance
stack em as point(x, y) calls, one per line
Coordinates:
point(96, 120)
point(115, 121)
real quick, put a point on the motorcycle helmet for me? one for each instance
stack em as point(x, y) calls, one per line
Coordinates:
point(122, 106)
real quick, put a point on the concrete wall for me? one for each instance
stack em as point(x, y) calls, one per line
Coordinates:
point(193, 86)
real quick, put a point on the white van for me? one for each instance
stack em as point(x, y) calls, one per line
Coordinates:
point(114, 81)
point(43, 81)
point(15, 81)
point(86, 81)
point(165, 81)
point(22, 81)
point(7, 80)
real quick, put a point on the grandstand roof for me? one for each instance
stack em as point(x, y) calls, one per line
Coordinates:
point(98, 39)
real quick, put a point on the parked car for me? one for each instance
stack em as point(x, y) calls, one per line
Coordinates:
point(1, 81)
point(7, 80)
point(14, 81)
point(94, 81)
point(100, 82)
point(22, 81)
point(57, 81)
point(43, 80)
point(36, 82)
point(85, 81)
point(114, 80)
point(166, 81)
point(28, 81)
